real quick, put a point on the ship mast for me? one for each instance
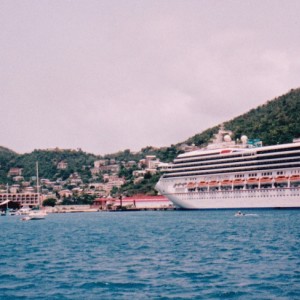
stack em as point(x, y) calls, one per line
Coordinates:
point(37, 183)
point(6, 197)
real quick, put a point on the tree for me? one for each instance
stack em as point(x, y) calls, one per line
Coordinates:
point(49, 202)
point(114, 191)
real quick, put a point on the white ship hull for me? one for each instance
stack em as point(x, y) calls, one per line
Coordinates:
point(227, 175)
point(264, 198)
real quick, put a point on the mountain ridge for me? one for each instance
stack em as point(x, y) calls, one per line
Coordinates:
point(275, 122)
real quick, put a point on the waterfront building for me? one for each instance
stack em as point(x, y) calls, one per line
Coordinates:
point(135, 202)
point(24, 199)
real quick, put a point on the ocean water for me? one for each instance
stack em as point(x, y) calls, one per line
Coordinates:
point(154, 255)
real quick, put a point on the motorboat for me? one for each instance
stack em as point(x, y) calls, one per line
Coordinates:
point(239, 214)
point(37, 215)
point(24, 211)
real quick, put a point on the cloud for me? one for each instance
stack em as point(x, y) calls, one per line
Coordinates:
point(109, 75)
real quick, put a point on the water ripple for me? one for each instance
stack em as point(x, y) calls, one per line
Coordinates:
point(156, 255)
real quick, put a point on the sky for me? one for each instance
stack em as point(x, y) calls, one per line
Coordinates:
point(108, 75)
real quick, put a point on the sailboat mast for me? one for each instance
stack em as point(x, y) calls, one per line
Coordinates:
point(37, 183)
point(6, 196)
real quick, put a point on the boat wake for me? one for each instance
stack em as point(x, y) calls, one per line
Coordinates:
point(251, 215)
point(240, 214)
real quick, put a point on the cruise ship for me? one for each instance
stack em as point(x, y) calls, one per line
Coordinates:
point(228, 174)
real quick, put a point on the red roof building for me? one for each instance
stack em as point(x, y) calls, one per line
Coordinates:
point(137, 201)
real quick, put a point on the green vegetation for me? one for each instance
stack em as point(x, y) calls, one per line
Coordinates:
point(49, 202)
point(77, 162)
point(145, 186)
point(203, 138)
point(7, 157)
point(276, 122)
point(165, 154)
point(84, 199)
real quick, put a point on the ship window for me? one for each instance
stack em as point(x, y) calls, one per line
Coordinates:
point(252, 175)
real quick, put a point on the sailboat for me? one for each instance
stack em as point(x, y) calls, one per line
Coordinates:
point(36, 214)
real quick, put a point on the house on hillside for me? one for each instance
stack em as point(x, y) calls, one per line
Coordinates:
point(62, 165)
point(18, 178)
point(15, 172)
point(99, 163)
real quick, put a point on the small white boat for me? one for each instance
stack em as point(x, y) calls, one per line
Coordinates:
point(23, 211)
point(239, 214)
point(37, 215)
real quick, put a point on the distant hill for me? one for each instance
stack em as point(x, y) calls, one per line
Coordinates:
point(78, 161)
point(7, 151)
point(275, 122)
point(6, 157)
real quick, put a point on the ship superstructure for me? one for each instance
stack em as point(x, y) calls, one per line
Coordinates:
point(227, 174)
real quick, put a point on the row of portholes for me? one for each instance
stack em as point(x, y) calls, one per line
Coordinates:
point(244, 191)
point(242, 196)
point(234, 197)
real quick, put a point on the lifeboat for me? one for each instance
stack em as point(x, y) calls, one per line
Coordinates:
point(203, 186)
point(226, 182)
point(226, 185)
point(295, 178)
point(191, 185)
point(266, 180)
point(280, 179)
point(252, 181)
point(238, 182)
point(213, 183)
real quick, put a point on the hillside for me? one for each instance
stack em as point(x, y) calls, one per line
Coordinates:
point(275, 122)
point(6, 157)
point(78, 161)
point(7, 151)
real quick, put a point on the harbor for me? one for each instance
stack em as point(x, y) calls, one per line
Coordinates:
point(150, 150)
point(135, 203)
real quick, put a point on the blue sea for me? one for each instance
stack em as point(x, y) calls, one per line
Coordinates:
point(154, 255)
